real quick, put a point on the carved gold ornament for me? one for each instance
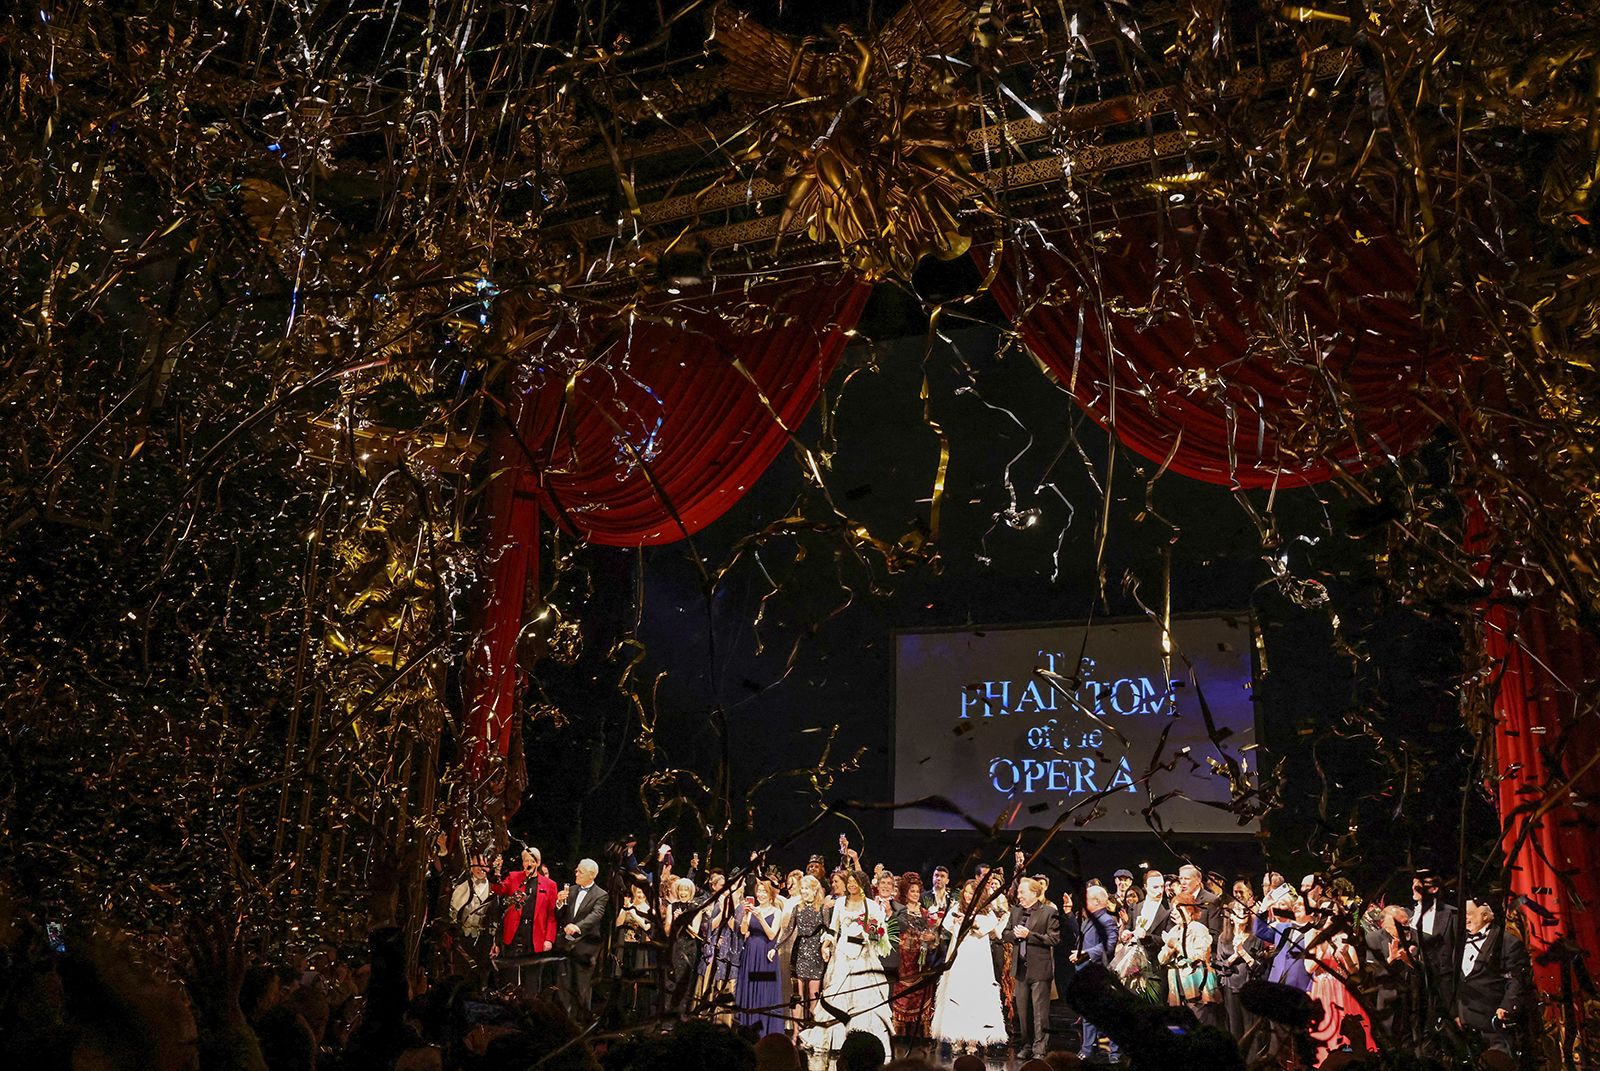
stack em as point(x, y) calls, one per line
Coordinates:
point(868, 135)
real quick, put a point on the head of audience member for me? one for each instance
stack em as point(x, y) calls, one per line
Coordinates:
point(861, 1051)
point(967, 1062)
point(683, 890)
point(838, 881)
point(1095, 898)
point(911, 888)
point(888, 887)
point(1062, 1060)
point(1027, 892)
point(776, 1052)
point(941, 878)
point(587, 871)
point(1155, 885)
point(693, 1044)
point(1477, 914)
point(1189, 884)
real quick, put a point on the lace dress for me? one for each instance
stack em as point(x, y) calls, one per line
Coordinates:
point(855, 989)
point(967, 1010)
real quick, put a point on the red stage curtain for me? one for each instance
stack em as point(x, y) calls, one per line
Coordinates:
point(1150, 382)
point(1545, 681)
point(658, 437)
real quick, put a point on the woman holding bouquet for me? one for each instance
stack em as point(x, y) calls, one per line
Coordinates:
point(967, 1012)
point(919, 940)
point(855, 989)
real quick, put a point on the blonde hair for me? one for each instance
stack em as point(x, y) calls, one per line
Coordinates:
point(808, 883)
point(683, 889)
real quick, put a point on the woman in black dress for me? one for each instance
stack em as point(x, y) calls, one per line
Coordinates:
point(809, 922)
point(683, 937)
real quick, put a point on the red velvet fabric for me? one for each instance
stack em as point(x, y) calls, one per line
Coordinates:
point(1545, 687)
point(672, 422)
point(1243, 427)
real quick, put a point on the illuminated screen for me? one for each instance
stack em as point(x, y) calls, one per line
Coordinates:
point(1021, 724)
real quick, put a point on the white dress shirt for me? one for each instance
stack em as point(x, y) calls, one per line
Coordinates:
point(1469, 951)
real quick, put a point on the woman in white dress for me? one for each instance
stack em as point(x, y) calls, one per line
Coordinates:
point(968, 1014)
point(855, 989)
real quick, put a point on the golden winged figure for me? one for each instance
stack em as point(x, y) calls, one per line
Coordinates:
point(868, 134)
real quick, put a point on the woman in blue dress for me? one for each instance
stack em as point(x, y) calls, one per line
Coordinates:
point(758, 992)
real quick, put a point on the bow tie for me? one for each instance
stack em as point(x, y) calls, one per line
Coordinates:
point(1476, 938)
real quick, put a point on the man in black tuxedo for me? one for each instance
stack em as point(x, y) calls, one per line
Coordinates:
point(1435, 936)
point(1206, 905)
point(581, 918)
point(1491, 979)
point(1035, 928)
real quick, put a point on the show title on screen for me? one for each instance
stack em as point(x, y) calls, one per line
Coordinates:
point(1123, 696)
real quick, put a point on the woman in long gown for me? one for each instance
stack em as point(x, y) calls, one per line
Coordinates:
point(967, 1012)
point(757, 992)
point(855, 988)
point(912, 988)
point(1329, 963)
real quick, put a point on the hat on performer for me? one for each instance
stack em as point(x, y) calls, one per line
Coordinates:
point(1123, 873)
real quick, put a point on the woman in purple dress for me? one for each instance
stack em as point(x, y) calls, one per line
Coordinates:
point(759, 996)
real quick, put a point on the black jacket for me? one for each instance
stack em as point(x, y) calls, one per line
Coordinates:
point(590, 919)
point(1498, 979)
point(1044, 934)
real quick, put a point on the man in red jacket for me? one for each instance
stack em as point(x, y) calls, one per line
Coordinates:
point(529, 923)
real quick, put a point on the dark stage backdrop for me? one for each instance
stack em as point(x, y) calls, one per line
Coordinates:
point(1104, 727)
point(761, 664)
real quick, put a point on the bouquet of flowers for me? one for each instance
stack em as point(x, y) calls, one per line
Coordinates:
point(878, 936)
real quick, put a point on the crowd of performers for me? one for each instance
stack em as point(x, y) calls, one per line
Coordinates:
point(974, 961)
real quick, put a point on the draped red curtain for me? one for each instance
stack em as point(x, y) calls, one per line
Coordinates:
point(1545, 680)
point(682, 409)
point(1209, 390)
point(1545, 739)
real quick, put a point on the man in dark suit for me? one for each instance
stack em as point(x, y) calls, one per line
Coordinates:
point(894, 916)
point(1435, 935)
point(1389, 963)
point(582, 920)
point(1207, 905)
point(1035, 929)
point(1491, 980)
point(1099, 944)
